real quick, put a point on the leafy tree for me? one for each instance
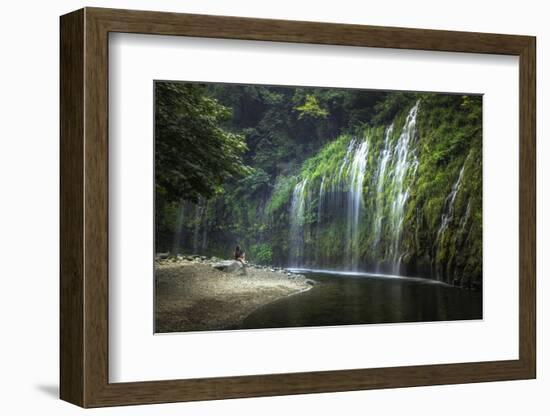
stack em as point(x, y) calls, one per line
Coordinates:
point(311, 108)
point(194, 155)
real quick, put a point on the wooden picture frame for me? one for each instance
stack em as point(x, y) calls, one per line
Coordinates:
point(84, 207)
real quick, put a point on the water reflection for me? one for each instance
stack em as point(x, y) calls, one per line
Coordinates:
point(343, 299)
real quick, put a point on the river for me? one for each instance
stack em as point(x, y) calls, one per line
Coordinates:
point(342, 298)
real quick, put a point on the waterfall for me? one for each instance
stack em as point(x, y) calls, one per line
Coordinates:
point(447, 215)
point(341, 200)
point(405, 165)
point(355, 201)
point(345, 199)
point(297, 218)
point(320, 209)
point(321, 201)
point(383, 160)
point(464, 219)
point(346, 160)
point(449, 205)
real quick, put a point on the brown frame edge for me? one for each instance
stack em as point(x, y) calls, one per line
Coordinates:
point(84, 207)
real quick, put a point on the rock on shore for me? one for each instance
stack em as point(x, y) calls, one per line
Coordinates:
point(195, 293)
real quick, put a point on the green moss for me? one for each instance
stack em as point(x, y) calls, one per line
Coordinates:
point(281, 194)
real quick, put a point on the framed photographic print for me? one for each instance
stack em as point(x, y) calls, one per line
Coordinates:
point(255, 207)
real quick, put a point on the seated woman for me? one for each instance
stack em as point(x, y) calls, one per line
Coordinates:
point(240, 255)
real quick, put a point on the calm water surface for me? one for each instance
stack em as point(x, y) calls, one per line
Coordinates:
point(343, 299)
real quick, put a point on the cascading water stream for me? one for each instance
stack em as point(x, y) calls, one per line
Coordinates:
point(345, 162)
point(355, 201)
point(449, 204)
point(297, 211)
point(384, 158)
point(448, 213)
point(321, 202)
point(320, 209)
point(341, 199)
point(465, 218)
point(405, 165)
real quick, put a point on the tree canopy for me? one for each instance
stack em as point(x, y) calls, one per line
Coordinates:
point(194, 155)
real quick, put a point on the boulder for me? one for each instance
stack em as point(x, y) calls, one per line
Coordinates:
point(162, 256)
point(228, 266)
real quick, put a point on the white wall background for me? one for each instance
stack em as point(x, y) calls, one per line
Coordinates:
point(29, 209)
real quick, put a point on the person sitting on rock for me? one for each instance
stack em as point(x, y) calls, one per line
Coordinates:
point(240, 255)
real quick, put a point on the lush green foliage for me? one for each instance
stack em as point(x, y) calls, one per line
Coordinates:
point(261, 253)
point(193, 154)
point(311, 108)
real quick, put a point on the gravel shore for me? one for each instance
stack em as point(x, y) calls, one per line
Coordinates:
point(191, 295)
